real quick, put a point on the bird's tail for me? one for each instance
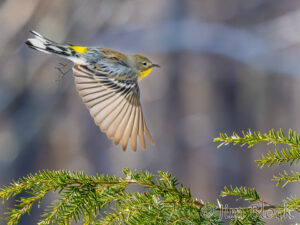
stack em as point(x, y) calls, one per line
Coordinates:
point(42, 44)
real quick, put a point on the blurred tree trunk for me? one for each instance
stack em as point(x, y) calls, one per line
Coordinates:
point(234, 166)
point(174, 105)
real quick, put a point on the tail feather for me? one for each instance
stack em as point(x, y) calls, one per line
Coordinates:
point(71, 52)
point(42, 38)
point(40, 43)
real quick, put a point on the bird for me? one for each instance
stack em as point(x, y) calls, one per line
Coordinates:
point(107, 81)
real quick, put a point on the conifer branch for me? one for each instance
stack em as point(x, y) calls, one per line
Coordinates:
point(84, 198)
point(251, 138)
point(286, 178)
point(248, 194)
point(103, 199)
point(289, 156)
point(290, 204)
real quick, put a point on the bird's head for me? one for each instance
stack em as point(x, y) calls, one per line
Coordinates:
point(143, 65)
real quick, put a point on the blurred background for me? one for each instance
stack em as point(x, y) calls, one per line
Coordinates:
point(225, 66)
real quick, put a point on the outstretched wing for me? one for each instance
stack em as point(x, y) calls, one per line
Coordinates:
point(114, 103)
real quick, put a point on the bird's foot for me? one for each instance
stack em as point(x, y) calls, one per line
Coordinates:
point(61, 68)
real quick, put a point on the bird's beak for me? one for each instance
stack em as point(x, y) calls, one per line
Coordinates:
point(155, 65)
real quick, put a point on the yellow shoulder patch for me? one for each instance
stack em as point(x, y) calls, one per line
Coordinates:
point(145, 73)
point(79, 49)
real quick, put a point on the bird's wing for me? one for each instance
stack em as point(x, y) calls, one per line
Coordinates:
point(114, 104)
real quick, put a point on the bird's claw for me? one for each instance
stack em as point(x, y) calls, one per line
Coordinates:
point(60, 68)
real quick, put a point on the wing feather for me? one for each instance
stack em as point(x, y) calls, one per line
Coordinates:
point(114, 104)
point(115, 123)
point(148, 135)
point(135, 130)
point(128, 129)
point(121, 128)
point(141, 130)
point(109, 118)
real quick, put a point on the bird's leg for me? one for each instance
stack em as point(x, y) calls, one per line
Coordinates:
point(60, 68)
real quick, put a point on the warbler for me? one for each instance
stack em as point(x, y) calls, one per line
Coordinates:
point(107, 81)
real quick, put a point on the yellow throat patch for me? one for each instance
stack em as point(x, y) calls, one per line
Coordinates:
point(145, 73)
point(79, 49)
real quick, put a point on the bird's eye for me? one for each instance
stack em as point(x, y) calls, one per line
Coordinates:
point(145, 63)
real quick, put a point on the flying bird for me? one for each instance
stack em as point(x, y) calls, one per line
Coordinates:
point(107, 82)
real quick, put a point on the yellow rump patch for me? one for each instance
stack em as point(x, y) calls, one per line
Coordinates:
point(145, 73)
point(79, 49)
